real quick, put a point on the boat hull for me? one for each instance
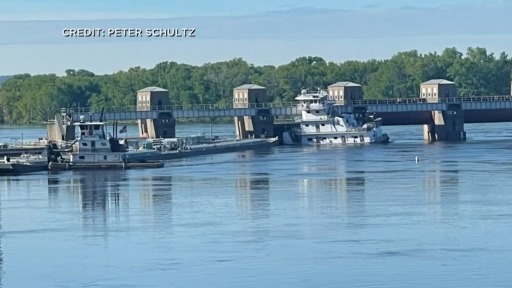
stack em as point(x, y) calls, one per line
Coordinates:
point(206, 149)
point(21, 168)
point(340, 138)
point(154, 158)
point(54, 166)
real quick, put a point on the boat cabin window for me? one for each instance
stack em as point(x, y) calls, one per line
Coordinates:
point(84, 144)
point(82, 130)
point(86, 129)
point(335, 138)
point(81, 157)
point(307, 125)
point(310, 139)
point(103, 144)
point(104, 157)
point(93, 144)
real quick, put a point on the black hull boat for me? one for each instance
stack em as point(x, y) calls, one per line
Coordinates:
point(22, 166)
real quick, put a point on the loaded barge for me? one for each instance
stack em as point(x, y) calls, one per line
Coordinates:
point(166, 152)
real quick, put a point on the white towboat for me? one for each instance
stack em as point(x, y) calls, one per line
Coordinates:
point(317, 126)
point(93, 150)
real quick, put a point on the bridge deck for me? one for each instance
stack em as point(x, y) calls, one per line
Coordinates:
point(395, 111)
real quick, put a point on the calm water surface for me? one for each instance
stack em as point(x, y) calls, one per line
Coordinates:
point(353, 216)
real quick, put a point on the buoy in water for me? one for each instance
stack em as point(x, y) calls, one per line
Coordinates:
point(417, 159)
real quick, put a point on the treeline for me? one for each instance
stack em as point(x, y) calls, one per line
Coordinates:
point(34, 99)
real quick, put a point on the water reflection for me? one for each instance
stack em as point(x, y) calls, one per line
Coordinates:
point(97, 194)
point(108, 192)
point(253, 194)
point(97, 190)
point(261, 152)
point(441, 186)
point(23, 184)
point(344, 192)
point(336, 186)
point(156, 197)
point(443, 179)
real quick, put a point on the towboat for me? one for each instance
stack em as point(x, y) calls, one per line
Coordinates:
point(93, 150)
point(318, 125)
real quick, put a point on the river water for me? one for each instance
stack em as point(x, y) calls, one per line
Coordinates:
point(338, 216)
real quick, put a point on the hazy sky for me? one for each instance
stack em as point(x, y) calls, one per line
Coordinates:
point(262, 32)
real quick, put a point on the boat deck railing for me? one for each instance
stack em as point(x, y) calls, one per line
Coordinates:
point(348, 130)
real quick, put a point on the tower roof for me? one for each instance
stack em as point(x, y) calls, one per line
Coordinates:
point(344, 84)
point(438, 81)
point(250, 86)
point(153, 89)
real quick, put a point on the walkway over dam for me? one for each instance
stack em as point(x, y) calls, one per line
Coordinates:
point(410, 111)
point(439, 108)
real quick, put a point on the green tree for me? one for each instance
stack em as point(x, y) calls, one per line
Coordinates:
point(302, 73)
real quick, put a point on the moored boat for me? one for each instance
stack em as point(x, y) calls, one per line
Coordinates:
point(93, 150)
point(26, 163)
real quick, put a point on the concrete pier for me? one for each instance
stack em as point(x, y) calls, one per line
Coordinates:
point(262, 124)
point(445, 126)
point(61, 128)
point(448, 124)
point(164, 126)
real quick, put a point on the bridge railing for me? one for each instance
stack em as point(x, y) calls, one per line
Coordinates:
point(131, 108)
point(385, 101)
point(448, 100)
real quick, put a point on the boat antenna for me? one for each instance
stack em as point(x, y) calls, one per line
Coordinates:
point(101, 115)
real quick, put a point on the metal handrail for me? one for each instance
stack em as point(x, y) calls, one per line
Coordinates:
point(450, 100)
point(131, 108)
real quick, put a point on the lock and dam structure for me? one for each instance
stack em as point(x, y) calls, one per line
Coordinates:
point(438, 109)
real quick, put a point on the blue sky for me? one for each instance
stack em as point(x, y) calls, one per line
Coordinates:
point(262, 32)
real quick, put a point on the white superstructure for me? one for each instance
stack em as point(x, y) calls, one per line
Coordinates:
point(318, 126)
point(93, 146)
